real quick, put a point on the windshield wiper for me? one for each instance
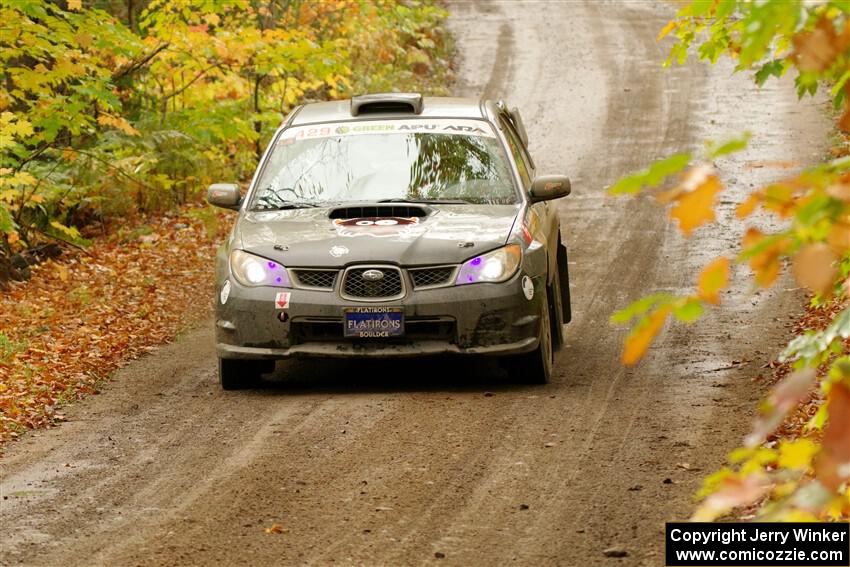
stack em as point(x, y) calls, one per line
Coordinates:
point(426, 201)
point(289, 205)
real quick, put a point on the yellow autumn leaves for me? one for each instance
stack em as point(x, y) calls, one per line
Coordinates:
point(817, 203)
point(693, 198)
point(713, 278)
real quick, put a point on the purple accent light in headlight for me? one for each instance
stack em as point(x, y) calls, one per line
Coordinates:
point(277, 275)
point(250, 270)
point(470, 272)
point(496, 266)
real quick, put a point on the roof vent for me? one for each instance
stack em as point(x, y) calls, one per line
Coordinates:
point(386, 103)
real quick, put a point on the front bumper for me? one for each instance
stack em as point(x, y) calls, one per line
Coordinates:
point(476, 319)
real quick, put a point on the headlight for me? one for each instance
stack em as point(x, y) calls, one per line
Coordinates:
point(252, 271)
point(496, 266)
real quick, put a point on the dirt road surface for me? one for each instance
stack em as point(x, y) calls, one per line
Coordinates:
point(446, 462)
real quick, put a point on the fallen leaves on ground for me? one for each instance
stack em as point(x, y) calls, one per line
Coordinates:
point(275, 529)
point(79, 318)
point(797, 442)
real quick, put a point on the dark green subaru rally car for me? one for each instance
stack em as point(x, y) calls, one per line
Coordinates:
point(393, 225)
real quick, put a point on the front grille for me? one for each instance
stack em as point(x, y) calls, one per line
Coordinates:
point(321, 279)
point(431, 277)
point(388, 287)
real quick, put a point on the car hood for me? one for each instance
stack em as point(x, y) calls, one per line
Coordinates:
point(309, 237)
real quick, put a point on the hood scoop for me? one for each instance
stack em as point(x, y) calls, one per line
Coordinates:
point(378, 211)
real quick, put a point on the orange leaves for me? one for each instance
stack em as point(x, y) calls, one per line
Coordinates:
point(817, 50)
point(80, 318)
point(782, 399)
point(839, 236)
point(694, 197)
point(814, 267)
point(642, 335)
point(832, 465)
point(117, 122)
point(712, 279)
point(654, 310)
point(696, 207)
point(733, 492)
point(844, 120)
point(747, 207)
point(671, 25)
point(275, 529)
point(763, 254)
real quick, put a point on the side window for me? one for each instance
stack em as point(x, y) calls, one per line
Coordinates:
point(517, 153)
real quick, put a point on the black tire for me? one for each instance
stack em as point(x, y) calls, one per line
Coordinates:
point(536, 367)
point(236, 374)
point(564, 282)
point(556, 312)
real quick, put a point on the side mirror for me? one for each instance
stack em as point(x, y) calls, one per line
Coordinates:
point(547, 187)
point(225, 195)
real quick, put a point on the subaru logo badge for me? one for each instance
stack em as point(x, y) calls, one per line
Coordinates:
point(373, 275)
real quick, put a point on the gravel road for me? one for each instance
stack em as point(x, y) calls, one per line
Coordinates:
point(446, 462)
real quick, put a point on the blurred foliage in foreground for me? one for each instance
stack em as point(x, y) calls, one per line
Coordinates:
point(805, 477)
point(110, 108)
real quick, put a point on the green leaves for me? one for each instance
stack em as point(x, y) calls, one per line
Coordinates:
point(811, 348)
point(774, 68)
point(89, 109)
point(654, 175)
point(716, 150)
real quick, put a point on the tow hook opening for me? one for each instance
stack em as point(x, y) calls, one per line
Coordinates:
point(283, 316)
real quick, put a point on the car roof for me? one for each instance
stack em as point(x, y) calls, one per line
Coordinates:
point(432, 107)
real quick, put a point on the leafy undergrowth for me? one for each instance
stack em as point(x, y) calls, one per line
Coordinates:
point(789, 445)
point(816, 318)
point(86, 314)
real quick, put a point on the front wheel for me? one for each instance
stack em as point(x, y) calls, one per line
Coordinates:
point(536, 367)
point(236, 374)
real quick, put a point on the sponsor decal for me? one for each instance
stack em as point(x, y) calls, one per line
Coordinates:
point(281, 299)
point(527, 288)
point(465, 129)
point(376, 227)
point(225, 292)
point(437, 126)
point(337, 251)
point(418, 127)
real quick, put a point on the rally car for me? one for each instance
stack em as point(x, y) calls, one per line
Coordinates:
point(393, 225)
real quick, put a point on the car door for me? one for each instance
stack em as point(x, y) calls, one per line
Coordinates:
point(543, 221)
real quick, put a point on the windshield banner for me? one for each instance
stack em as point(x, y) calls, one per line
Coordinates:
point(418, 125)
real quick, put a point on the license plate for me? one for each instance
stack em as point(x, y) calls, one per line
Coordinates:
point(374, 322)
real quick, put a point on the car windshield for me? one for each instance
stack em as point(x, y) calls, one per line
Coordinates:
point(454, 161)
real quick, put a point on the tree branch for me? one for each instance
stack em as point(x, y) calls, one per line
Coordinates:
point(134, 66)
point(200, 74)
